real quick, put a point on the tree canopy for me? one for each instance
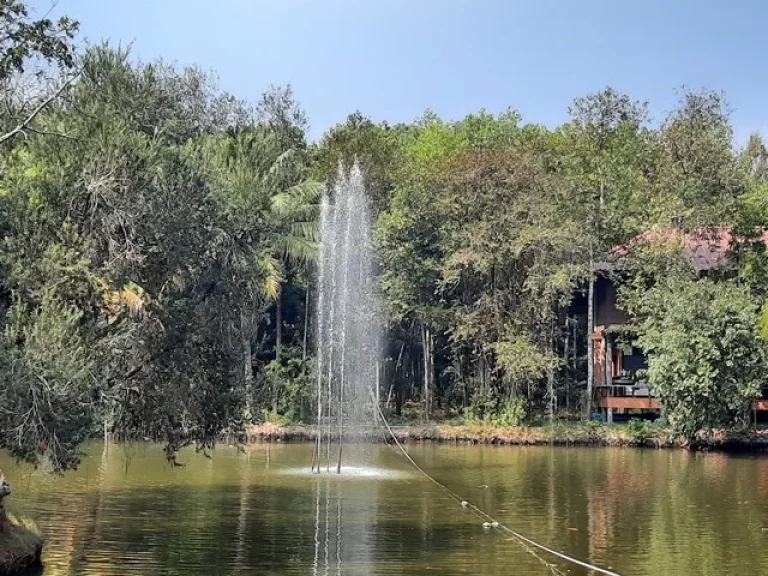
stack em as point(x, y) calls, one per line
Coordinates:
point(158, 239)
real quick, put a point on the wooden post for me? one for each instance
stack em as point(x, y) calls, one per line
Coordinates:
point(314, 453)
point(608, 359)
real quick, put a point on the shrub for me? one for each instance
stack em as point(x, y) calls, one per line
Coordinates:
point(706, 360)
point(638, 430)
point(505, 412)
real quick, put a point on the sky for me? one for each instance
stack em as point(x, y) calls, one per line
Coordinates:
point(394, 59)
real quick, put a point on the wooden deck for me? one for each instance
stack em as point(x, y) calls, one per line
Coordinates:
point(629, 402)
point(649, 403)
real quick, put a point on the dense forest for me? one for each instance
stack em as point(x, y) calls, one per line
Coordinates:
point(158, 244)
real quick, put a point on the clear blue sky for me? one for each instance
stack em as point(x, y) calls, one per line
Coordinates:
point(392, 59)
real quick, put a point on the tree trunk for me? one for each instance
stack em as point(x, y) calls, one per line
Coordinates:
point(551, 382)
point(378, 394)
point(601, 206)
point(432, 377)
point(481, 370)
point(278, 325)
point(566, 359)
point(425, 347)
point(306, 325)
point(590, 342)
point(245, 335)
point(575, 355)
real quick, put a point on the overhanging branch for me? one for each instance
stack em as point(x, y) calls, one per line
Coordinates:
point(42, 106)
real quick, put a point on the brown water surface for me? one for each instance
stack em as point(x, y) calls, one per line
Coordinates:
point(639, 512)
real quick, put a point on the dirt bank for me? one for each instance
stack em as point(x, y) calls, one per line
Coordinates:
point(20, 543)
point(20, 550)
point(570, 434)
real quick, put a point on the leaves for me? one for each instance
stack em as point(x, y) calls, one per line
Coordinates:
point(151, 244)
point(24, 39)
point(166, 232)
point(706, 360)
point(47, 372)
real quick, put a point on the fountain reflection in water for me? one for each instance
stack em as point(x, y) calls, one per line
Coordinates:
point(348, 326)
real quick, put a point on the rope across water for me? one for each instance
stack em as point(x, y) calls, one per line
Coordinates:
point(524, 541)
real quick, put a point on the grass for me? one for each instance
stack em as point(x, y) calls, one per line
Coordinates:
point(561, 433)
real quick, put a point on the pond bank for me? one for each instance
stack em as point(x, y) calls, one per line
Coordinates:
point(570, 434)
point(21, 545)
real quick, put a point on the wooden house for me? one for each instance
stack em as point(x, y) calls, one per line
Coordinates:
point(618, 365)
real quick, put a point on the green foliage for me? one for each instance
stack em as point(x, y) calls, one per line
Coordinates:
point(378, 148)
point(763, 322)
point(156, 234)
point(158, 239)
point(706, 360)
point(604, 150)
point(512, 412)
point(47, 370)
point(272, 215)
point(522, 362)
point(290, 386)
point(639, 430)
point(505, 412)
point(24, 39)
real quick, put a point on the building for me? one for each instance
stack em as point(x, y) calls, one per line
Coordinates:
point(619, 385)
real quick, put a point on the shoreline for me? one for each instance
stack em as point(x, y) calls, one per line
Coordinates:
point(21, 549)
point(21, 544)
point(559, 435)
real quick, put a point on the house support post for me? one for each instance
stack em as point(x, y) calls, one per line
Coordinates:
point(608, 355)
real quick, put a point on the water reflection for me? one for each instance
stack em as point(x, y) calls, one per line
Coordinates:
point(640, 512)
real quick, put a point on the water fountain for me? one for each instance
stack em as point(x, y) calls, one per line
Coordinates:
point(348, 327)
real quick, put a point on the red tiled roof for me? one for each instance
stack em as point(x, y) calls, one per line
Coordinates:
point(706, 247)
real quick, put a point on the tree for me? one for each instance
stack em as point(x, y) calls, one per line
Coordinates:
point(28, 49)
point(47, 382)
point(287, 121)
point(273, 228)
point(278, 109)
point(115, 247)
point(479, 250)
point(701, 168)
point(605, 139)
point(378, 148)
point(706, 361)
point(513, 259)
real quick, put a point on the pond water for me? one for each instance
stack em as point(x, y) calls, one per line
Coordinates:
point(639, 512)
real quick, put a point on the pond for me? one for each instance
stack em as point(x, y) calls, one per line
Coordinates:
point(637, 512)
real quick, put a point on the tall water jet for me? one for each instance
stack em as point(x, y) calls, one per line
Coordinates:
point(348, 327)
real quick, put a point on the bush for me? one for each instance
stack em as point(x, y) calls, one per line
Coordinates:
point(638, 430)
point(706, 360)
point(287, 390)
point(512, 412)
point(505, 412)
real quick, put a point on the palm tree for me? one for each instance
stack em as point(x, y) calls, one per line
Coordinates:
point(272, 211)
